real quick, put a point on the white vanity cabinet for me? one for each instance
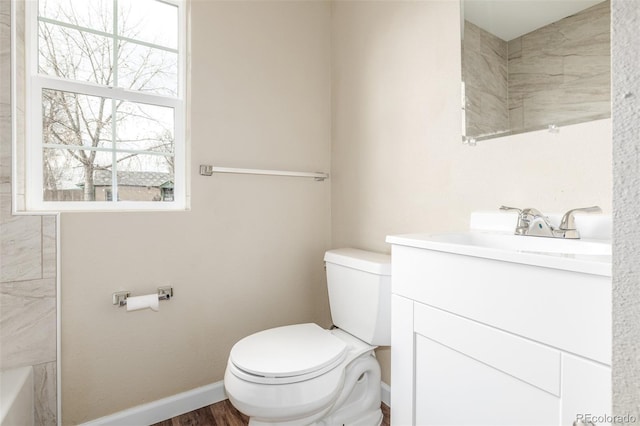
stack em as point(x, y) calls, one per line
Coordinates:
point(485, 341)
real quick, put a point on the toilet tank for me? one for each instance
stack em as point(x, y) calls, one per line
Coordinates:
point(359, 284)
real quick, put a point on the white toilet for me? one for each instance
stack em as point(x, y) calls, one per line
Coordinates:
point(305, 375)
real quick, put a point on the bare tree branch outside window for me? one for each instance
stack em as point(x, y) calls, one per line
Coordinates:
point(84, 134)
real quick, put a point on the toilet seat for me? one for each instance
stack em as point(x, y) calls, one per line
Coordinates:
point(288, 354)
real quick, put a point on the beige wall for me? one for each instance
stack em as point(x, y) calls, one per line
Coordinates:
point(247, 256)
point(398, 164)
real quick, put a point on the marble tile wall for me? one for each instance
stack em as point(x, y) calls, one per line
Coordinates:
point(557, 74)
point(561, 71)
point(28, 265)
point(484, 72)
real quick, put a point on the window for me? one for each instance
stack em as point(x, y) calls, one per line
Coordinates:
point(106, 104)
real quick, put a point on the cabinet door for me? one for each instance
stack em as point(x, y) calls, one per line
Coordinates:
point(470, 374)
point(454, 389)
point(586, 390)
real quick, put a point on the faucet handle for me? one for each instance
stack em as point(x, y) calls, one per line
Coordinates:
point(523, 223)
point(529, 212)
point(568, 220)
point(506, 208)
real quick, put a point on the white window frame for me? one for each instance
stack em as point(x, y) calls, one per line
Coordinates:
point(35, 83)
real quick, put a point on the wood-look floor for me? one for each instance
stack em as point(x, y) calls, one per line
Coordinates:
point(225, 414)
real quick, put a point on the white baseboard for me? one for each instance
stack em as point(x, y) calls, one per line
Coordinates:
point(385, 393)
point(165, 408)
point(172, 406)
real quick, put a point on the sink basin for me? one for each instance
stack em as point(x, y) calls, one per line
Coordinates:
point(498, 241)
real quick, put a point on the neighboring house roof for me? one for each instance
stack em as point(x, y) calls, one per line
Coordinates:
point(152, 179)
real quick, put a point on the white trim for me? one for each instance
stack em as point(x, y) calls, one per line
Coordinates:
point(34, 144)
point(58, 324)
point(165, 408)
point(385, 393)
point(111, 92)
point(172, 406)
point(13, 75)
point(31, 132)
point(53, 207)
point(103, 149)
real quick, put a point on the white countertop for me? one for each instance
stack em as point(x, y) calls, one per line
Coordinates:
point(489, 239)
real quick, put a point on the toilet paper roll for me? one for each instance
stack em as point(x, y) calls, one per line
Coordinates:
point(136, 303)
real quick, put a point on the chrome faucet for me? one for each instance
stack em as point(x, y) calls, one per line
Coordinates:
point(532, 222)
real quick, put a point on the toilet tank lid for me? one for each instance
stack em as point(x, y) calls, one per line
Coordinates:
point(376, 263)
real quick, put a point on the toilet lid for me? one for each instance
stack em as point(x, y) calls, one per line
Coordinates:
point(289, 351)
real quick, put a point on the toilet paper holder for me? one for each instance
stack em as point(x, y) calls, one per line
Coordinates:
point(119, 298)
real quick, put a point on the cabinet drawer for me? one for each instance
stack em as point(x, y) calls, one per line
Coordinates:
point(528, 361)
point(563, 309)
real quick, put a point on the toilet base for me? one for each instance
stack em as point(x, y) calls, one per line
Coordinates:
point(372, 418)
point(357, 405)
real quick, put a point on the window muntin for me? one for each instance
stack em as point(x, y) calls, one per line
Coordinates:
point(108, 96)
